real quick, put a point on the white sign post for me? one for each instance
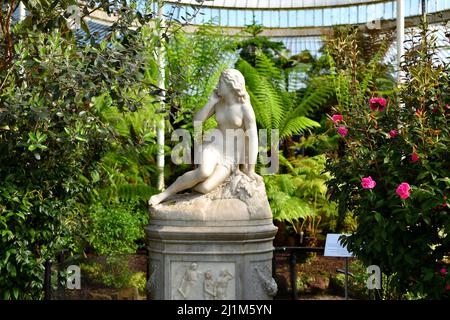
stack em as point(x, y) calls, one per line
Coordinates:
point(333, 248)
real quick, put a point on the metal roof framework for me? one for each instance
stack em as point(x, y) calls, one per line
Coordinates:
point(273, 4)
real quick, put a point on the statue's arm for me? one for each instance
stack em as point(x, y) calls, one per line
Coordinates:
point(208, 110)
point(251, 131)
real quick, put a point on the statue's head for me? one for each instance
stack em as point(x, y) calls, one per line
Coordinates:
point(232, 82)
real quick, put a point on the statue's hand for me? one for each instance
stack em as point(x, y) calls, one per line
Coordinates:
point(156, 199)
point(214, 98)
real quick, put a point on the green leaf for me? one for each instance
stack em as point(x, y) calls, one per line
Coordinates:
point(428, 276)
point(378, 217)
point(11, 269)
point(16, 293)
point(32, 147)
point(80, 139)
point(85, 27)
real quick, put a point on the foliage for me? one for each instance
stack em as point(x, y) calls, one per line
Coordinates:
point(115, 228)
point(115, 275)
point(249, 47)
point(274, 106)
point(407, 237)
point(112, 273)
point(128, 169)
point(355, 75)
point(300, 196)
point(51, 136)
point(194, 64)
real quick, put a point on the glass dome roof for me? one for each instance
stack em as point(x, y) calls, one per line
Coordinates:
point(273, 4)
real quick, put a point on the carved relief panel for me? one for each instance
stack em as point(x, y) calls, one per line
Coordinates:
point(203, 280)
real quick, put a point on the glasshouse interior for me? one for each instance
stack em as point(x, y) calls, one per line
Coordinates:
point(224, 150)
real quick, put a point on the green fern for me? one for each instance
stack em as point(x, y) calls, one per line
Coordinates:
point(275, 107)
point(300, 197)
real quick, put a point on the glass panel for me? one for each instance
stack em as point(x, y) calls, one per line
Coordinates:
point(207, 14)
point(344, 15)
point(389, 12)
point(240, 17)
point(227, 17)
point(318, 17)
point(248, 16)
point(283, 19)
point(301, 18)
point(190, 14)
point(275, 18)
point(362, 14)
point(414, 8)
point(335, 16)
point(443, 5)
point(309, 18)
point(371, 12)
point(431, 6)
point(166, 10)
point(292, 18)
point(327, 21)
point(224, 17)
point(266, 18)
point(380, 10)
point(215, 16)
point(258, 17)
point(176, 13)
point(353, 11)
point(232, 18)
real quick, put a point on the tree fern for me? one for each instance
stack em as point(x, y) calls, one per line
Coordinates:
point(317, 94)
point(297, 125)
point(194, 64)
point(269, 97)
point(275, 107)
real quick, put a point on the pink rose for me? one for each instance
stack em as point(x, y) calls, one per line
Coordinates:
point(377, 104)
point(403, 190)
point(336, 118)
point(393, 133)
point(443, 271)
point(414, 157)
point(342, 131)
point(368, 183)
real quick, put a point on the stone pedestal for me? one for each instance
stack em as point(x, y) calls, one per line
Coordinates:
point(213, 247)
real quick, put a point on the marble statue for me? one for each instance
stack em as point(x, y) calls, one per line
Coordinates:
point(225, 224)
point(230, 103)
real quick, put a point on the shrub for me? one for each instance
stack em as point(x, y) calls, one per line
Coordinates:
point(51, 136)
point(115, 228)
point(397, 183)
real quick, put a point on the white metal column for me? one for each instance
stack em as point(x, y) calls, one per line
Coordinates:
point(161, 85)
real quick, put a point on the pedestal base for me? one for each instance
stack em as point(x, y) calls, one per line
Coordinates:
point(211, 259)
